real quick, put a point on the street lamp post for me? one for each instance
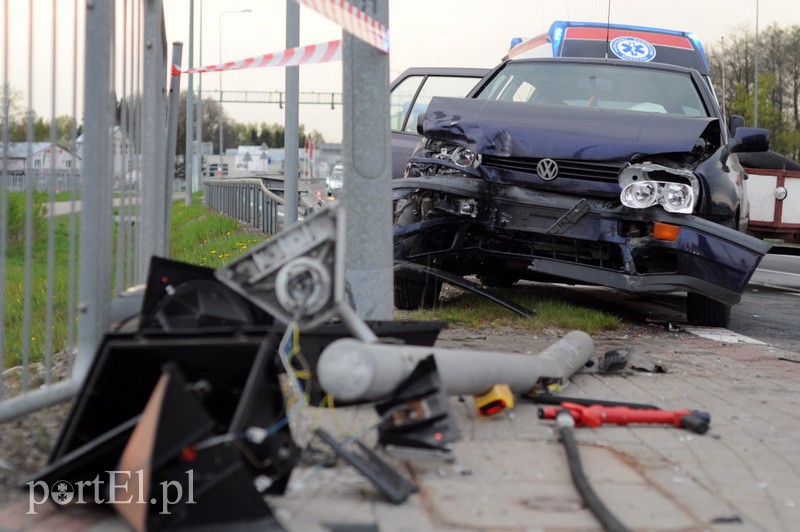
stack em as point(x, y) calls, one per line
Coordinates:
point(221, 118)
point(755, 100)
point(198, 163)
point(188, 158)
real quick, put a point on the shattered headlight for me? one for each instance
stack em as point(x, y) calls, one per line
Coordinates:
point(648, 184)
point(458, 155)
point(674, 197)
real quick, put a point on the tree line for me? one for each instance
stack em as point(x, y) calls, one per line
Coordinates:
point(236, 133)
point(732, 67)
point(21, 121)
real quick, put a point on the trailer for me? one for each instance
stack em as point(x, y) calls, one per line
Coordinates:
point(775, 207)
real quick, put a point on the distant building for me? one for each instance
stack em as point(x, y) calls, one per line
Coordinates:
point(43, 158)
point(125, 158)
point(249, 161)
point(253, 159)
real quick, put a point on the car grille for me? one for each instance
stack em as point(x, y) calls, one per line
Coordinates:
point(588, 252)
point(585, 170)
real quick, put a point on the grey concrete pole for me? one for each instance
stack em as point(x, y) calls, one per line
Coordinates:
point(352, 370)
point(291, 141)
point(188, 158)
point(172, 140)
point(367, 158)
point(153, 141)
point(94, 283)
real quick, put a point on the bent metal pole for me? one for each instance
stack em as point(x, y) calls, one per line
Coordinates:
point(352, 370)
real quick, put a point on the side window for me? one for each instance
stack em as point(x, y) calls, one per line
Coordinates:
point(401, 100)
point(449, 86)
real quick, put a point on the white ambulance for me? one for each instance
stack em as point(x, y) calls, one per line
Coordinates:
point(615, 41)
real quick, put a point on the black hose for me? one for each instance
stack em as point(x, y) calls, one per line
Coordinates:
point(566, 426)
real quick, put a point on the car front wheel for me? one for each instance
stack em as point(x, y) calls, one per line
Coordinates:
point(412, 292)
point(704, 311)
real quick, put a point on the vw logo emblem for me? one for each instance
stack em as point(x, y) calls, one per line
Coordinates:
point(547, 169)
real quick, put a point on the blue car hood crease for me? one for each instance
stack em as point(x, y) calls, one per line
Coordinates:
point(514, 129)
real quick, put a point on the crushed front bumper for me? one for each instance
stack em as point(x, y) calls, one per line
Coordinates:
point(536, 233)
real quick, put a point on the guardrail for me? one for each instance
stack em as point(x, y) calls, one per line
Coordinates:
point(257, 201)
point(248, 200)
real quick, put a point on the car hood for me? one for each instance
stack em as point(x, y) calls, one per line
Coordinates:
point(513, 129)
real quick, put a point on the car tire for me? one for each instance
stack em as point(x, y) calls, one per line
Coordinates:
point(412, 292)
point(707, 312)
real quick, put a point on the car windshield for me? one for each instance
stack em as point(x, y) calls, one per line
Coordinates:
point(605, 86)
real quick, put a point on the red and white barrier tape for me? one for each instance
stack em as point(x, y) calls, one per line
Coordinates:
point(302, 55)
point(353, 20)
point(343, 13)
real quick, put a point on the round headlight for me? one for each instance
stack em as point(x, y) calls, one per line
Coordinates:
point(677, 196)
point(639, 195)
point(780, 193)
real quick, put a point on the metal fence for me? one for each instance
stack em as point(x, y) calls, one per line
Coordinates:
point(246, 200)
point(84, 195)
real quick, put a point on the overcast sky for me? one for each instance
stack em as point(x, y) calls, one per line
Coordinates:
point(431, 33)
point(423, 33)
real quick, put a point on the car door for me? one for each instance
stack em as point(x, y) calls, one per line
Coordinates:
point(411, 92)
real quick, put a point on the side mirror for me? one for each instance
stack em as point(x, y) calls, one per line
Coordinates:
point(734, 123)
point(420, 122)
point(749, 139)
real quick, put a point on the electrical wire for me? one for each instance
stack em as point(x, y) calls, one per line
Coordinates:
point(566, 427)
point(288, 346)
point(285, 350)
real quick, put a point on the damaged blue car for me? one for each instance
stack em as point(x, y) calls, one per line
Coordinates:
point(581, 171)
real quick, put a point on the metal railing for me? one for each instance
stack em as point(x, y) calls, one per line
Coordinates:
point(94, 142)
point(247, 200)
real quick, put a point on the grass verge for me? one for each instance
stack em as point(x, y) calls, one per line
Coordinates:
point(202, 237)
point(198, 236)
point(473, 311)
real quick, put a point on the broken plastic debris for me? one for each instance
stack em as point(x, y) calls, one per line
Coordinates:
point(649, 366)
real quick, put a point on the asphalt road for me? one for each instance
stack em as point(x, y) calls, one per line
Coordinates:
point(769, 310)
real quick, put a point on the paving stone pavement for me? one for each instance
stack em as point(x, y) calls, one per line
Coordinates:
point(510, 470)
